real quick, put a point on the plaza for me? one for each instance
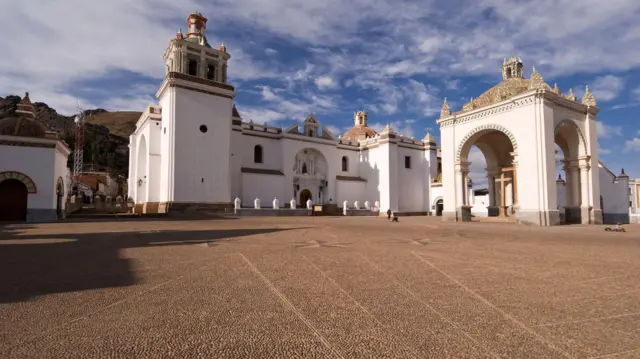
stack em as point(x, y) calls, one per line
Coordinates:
point(317, 287)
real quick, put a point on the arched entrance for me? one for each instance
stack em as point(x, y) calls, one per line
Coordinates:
point(13, 200)
point(498, 147)
point(59, 198)
point(310, 174)
point(439, 207)
point(305, 195)
point(141, 171)
point(572, 145)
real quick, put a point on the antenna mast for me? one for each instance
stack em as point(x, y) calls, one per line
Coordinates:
point(78, 157)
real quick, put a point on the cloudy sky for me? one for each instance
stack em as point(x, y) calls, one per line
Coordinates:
point(396, 59)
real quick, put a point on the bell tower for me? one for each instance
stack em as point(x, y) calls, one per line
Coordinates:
point(360, 119)
point(197, 105)
point(512, 68)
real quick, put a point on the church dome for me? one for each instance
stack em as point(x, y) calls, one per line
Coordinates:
point(22, 126)
point(359, 133)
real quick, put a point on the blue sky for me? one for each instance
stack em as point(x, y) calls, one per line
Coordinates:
point(396, 59)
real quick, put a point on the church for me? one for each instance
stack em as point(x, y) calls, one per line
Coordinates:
point(194, 150)
point(33, 168)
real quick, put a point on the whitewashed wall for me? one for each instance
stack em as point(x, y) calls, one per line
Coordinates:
point(265, 187)
point(615, 197)
point(41, 168)
point(412, 196)
point(351, 191)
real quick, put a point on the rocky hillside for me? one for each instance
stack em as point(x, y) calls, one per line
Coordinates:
point(106, 133)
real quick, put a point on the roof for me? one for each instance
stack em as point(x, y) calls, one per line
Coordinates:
point(359, 132)
point(196, 39)
point(235, 112)
point(23, 127)
point(503, 90)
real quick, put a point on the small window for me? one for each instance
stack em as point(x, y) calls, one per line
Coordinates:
point(211, 72)
point(345, 164)
point(203, 129)
point(193, 67)
point(257, 154)
point(407, 161)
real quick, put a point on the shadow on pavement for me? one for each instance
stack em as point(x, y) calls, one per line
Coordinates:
point(32, 265)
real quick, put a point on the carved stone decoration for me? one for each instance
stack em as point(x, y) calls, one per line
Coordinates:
point(292, 203)
point(571, 96)
point(256, 203)
point(367, 205)
point(445, 111)
point(536, 82)
point(345, 206)
point(276, 203)
point(556, 89)
point(588, 98)
point(309, 203)
point(356, 205)
point(489, 126)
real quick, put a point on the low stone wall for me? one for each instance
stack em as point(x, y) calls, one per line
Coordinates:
point(270, 212)
point(634, 218)
point(362, 212)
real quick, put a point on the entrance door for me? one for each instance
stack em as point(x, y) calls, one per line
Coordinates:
point(13, 201)
point(59, 194)
point(439, 207)
point(305, 195)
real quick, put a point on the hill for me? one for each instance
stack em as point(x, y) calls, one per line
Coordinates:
point(106, 133)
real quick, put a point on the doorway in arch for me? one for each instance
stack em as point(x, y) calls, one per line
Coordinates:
point(305, 195)
point(13, 200)
point(439, 207)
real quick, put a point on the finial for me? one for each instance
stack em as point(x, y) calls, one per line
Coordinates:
point(623, 175)
point(571, 96)
point(26, 95)
point(588, 98)
point(556, 89)
point(222, 47)
point(445, 111)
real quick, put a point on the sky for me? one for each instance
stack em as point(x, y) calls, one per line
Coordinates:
point(395, 59)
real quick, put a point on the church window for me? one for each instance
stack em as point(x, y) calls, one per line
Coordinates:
point(407, 162)
point(193, 67)
point(345, 164)
point(257, 154)
point(304, 168)
point(203, 128)
point(211, 72)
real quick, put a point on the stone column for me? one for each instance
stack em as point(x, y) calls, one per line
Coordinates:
point(492, 209)
point(585, 203)
point(463, 208)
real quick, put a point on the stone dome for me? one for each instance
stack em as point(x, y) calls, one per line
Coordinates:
point(22, 126)
point(359, 133)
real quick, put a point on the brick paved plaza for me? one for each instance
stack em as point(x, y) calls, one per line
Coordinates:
point(350, 287)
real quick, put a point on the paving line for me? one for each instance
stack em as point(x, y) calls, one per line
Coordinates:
point(505, 314)
point(613, 355)
point(414, 352)
point(442, 316)
point(290, 305)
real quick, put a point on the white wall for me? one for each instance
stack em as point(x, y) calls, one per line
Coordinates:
point(202, 160)
point(412, 196)
point(265, 187)
point(40, 167)
point(615, 194)
point(352, 191)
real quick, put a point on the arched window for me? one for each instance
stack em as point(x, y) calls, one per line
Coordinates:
point(345, 164)
point(257, 154)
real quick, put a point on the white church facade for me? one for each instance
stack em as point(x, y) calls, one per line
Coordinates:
point(193, 150)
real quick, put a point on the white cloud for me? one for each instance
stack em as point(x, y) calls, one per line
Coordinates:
point(325, 82)
point(606, 88)
point(477, 170)
point(632, 145)
point(604, 151)
point(606, 131)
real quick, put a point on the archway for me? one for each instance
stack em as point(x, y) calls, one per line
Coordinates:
point(59, 198)
point(14, 198)
point(141, 181)
point(571, 153)
point(310, 173)
point(305, 195)
point(439, 207)
point(498, 147)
